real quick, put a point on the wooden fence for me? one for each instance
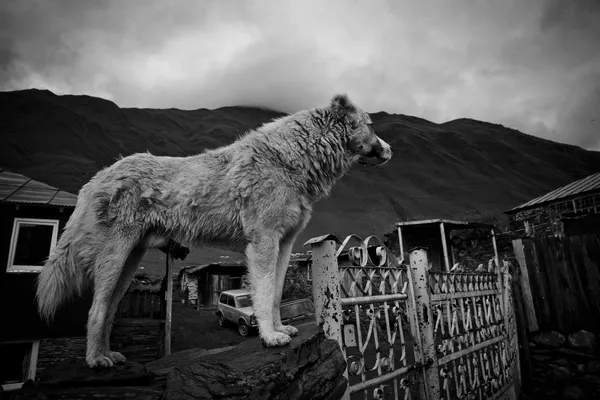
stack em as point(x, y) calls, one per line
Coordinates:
point(559, 281)
point(142, 304)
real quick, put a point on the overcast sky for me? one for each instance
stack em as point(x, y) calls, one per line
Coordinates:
point(533, 65)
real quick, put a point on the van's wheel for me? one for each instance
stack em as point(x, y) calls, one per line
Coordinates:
point(243, 328)
point(222, 320)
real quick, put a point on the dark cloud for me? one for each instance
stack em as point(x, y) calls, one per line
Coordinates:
point(532, 65)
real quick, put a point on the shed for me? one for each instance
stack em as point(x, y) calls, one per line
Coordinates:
point(201, 285)
point(446, 241)
point(547, 214)
point(32, 217)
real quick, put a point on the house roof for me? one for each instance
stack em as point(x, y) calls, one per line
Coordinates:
point(587, 184)
point(196, 268)
point(17, 188)
point(455, 224)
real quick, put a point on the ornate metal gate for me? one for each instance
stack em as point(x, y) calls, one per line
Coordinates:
point(410, 333)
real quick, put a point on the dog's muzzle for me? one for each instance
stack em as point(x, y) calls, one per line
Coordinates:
point(379, 155)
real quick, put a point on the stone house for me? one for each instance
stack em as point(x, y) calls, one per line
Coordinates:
point(560, 212)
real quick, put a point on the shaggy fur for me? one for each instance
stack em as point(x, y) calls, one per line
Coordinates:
point(255, 194)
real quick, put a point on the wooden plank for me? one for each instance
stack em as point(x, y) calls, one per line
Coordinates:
point(169, 300)
point(581, 312)
point(523, 340)
point(523, 277)
point(591, 260)
point(543, 305)
point(563, 298)
point(560, 318)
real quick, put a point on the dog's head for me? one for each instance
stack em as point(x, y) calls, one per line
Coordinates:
point(362, 141)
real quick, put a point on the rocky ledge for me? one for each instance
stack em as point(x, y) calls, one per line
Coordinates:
point(311, 367)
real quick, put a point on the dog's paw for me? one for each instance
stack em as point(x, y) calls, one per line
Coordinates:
point(287, 329)
point(116, 357)
point(99, 361)
point(275, 339)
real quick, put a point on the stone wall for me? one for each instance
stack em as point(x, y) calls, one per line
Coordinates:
point(565, 367)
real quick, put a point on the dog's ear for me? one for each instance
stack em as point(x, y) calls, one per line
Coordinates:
point(341, 105)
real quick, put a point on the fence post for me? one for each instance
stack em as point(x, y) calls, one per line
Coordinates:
point(326, 290)
point(423, 325)
point(511, 332)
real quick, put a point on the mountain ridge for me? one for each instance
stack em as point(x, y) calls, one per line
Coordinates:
point(462, 168)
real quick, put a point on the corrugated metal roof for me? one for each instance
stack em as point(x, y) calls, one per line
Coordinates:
point(17, 188)
point(581, 186)
point(450, 222)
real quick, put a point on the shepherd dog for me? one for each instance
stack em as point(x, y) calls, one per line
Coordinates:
point(255, 195)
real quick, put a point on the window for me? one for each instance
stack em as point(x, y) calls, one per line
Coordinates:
point(19, 363)
point(231, 301)
point(223, 298)
point(529, 228)
point(244, 301)
point(31, 243)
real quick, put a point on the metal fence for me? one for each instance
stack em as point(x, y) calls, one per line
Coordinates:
point(407, 332)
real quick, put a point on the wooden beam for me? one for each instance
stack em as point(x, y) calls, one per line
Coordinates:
point(169, 301)
point(198, 292)
point(496, 256)
point(528, 306)
point(401, 243)
point(444, 246)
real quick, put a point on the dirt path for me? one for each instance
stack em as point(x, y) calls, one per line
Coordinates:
point(200, 329)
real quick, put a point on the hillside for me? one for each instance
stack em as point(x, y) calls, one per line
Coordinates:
point(461, 169)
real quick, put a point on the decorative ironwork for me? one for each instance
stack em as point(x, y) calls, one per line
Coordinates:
point(403, 328)
point(375, 331)
point(471, 336)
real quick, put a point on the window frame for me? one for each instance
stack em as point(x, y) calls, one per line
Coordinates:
point(31, 365)
point(10, 267)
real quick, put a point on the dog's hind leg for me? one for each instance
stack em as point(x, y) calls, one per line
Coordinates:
point(107, 272)
point(127, 275)
point(262, 253)
point(283, 261)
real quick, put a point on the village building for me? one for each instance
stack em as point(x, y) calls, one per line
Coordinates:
point(32, 217)
point(569, 210)
point(201, 285)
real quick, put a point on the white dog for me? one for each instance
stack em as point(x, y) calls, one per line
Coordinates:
point(257, 193)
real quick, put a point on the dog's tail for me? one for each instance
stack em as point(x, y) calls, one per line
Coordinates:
point(60, 279)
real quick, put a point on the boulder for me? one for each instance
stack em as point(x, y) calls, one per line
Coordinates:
point(549, 339)
point(583, 340)
point(311, 367)
point(593, 367)
point(573, 392)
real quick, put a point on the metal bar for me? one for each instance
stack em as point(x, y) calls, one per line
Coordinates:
point(445, 246)
point(503, 390)
point(469, 350)
point(380, 379)
point(351, 301)
point(459, 295)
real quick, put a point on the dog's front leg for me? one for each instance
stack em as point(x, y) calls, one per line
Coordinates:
point(262, 255)
point(283, 261)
